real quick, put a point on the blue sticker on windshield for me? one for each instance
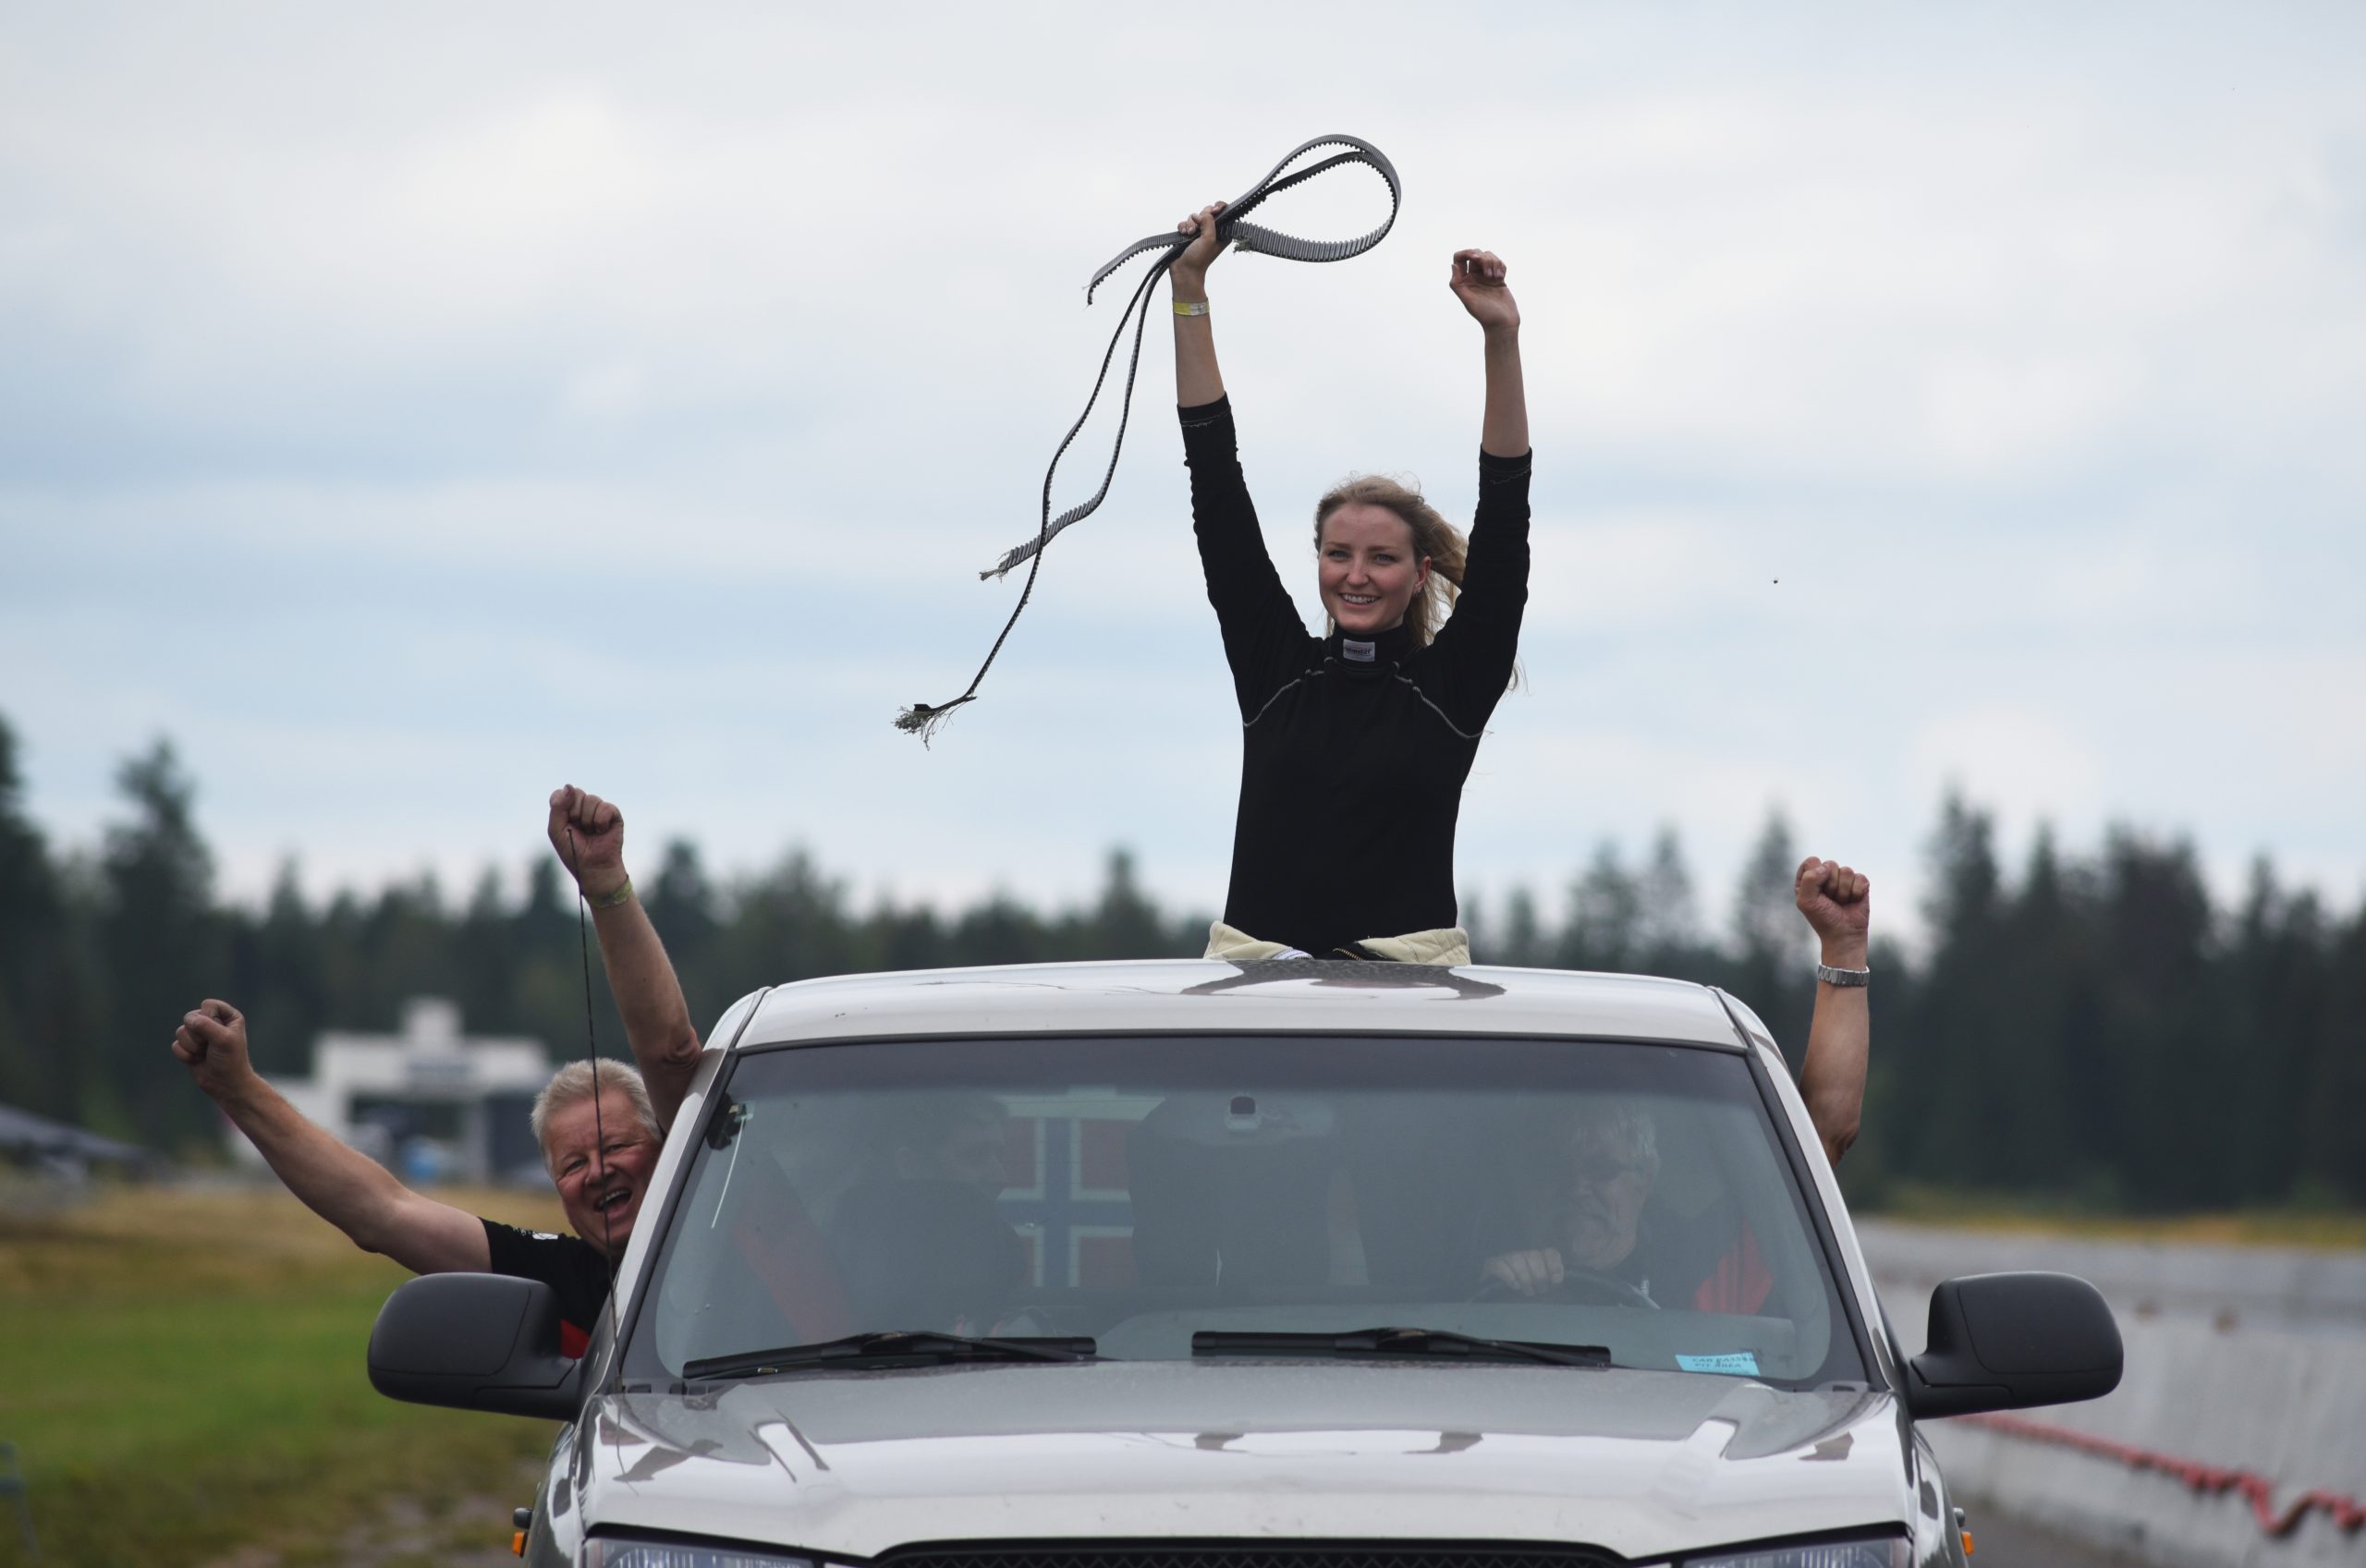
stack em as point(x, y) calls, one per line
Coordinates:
point(1743, 1363)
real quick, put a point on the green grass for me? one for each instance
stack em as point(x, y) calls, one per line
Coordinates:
point(183, 1376)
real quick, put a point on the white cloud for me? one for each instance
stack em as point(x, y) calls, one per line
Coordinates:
point(594, 398)
point(2025, 764)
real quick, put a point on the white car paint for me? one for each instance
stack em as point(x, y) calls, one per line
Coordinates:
point(1650, 1465)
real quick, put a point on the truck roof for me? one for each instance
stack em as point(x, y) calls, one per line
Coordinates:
point(1195, 996)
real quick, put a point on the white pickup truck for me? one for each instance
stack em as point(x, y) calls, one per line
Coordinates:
point(1270, 1265)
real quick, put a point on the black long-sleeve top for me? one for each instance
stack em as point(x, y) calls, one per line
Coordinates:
point(1353, 753)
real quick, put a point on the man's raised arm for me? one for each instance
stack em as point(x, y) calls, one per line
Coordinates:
point(340, 1184)
point(1837, 902)
point(589, 834)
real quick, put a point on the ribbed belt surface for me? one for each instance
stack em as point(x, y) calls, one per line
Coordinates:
point(1233, 228)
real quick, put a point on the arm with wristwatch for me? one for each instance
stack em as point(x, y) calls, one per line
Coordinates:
point(1838, 903)
point(589, 834)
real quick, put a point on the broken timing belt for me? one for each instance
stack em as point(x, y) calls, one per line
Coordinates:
point(1231, 228)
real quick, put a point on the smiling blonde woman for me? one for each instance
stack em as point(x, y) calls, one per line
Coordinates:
point(1355, 744)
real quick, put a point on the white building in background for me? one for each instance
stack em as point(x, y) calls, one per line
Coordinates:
point(360, 1084)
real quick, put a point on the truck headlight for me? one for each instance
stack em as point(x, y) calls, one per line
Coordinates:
point(1878, 1551)
point(608, 1551)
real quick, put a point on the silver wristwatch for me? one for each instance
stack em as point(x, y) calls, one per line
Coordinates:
point(1833, 977)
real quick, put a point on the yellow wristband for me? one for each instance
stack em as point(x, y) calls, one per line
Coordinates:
point(622, 893)
point(1190, 307)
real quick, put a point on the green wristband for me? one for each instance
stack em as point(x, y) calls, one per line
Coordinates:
point(622, 894)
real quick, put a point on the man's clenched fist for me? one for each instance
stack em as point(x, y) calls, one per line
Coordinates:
point(211, 1041)
point(1837, 901)
point(589, 834)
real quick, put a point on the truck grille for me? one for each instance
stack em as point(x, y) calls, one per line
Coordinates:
point(1243, 1554)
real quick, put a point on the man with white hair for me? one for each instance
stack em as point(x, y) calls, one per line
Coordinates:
point(599, 1148)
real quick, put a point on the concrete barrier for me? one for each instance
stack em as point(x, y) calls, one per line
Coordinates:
point(2203, 1384)
point(2245, 1287)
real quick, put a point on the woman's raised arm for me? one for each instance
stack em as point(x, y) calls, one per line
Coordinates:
point(1478, 282)
point(1197, 380)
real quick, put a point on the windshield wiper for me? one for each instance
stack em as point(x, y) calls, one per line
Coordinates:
point(1395, 1342)
point(888, 1344)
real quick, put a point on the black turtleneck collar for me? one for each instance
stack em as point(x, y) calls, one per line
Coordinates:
point(1376, 653)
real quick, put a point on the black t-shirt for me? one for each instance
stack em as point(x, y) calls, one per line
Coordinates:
point(1353, 752)
point(569, 1265)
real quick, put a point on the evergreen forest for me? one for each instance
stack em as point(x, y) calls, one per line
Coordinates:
point(2089, 1028)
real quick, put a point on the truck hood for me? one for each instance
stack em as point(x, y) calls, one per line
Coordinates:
point(855, 1463)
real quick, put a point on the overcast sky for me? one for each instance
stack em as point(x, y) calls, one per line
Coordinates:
point(406, 409)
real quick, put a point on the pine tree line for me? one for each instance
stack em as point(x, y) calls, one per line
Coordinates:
point(2093, 1028)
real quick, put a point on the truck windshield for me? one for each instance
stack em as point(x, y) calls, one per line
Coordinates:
point(1136, 1192)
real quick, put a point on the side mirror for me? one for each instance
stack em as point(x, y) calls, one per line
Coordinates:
point(475, 1342)
point(2006, 1342)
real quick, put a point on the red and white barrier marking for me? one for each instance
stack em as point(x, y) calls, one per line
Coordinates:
point(2348, 1513)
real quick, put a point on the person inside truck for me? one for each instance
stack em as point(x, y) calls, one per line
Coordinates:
point(1587, 1221)
point(919, 1241)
